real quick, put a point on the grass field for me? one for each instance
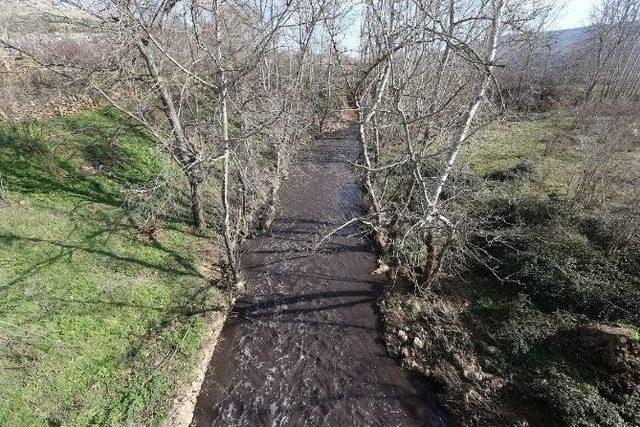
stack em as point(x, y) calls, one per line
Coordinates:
point(97, 318)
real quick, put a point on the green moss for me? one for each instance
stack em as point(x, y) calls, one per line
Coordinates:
point(95, 323)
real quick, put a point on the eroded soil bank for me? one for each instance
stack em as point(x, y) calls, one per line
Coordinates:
point(305, 348)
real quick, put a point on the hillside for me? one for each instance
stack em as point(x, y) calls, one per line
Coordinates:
point(38, 16)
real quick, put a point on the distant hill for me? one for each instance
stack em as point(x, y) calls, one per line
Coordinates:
point(38, 16)
point(562, 40)
point(552, 48)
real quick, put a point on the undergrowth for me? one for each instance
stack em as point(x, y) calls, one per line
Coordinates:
point(541, 326)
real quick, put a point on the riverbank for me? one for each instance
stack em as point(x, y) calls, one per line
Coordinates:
point(539, 324)
point(102, 313)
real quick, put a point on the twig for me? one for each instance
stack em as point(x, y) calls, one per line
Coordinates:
point(335, 230)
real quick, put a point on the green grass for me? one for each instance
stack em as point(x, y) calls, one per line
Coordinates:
point(94, 320)
point(504, 145)
point(543, 147)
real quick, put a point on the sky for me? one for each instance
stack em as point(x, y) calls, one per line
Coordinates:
point(575, 14)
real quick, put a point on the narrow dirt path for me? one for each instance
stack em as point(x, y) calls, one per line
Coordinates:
point(305, 348)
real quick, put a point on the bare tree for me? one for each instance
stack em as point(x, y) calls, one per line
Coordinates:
point(611, 55)
point(426, 69)
point(216, 84)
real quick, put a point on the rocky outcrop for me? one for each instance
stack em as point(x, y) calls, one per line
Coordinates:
point(614, 347)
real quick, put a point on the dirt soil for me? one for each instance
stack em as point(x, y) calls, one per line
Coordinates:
point(305, 347)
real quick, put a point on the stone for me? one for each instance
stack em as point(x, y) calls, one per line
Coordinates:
point(402, 335)
point(415, 306)
point(382, 268)
point(404, 352)
point(240, 287)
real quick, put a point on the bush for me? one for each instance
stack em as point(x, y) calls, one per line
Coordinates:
point(522, 209)
point(589, 268)
point(568, 273)
point(518, 326)
point(572, 402)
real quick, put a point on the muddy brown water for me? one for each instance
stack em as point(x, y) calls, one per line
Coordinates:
point(305, 347)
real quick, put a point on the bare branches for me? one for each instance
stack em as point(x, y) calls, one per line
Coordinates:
point(229, 88)
point(341, 227)
point(427, 69)
point(218, 87)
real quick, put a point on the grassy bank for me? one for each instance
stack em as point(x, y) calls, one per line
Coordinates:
point(100, 314)
point(541, 324)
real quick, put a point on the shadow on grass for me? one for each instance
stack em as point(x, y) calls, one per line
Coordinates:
point(28, 176)
point(67, 249)
point(42, 158)
point(82, 165)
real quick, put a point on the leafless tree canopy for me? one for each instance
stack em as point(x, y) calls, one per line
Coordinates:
point(230, 88)
point(227, 88)
point(426, 82)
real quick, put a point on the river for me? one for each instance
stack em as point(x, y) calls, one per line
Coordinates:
point(305, 347)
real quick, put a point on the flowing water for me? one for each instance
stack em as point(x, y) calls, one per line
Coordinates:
point(305, 348)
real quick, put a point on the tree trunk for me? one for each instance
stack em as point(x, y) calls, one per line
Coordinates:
point(197, 204)
point(229, 238)
point(471, 112)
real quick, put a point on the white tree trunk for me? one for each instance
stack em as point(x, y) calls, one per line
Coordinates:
point(471, 112)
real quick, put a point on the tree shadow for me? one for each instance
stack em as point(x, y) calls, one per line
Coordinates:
point(251, 309)
point(33, 162)
point(88, 245)
point(101, 155)
point(29, 176)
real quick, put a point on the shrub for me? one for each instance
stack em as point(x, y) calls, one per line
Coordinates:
point(522, 209)
point(572, 402)
point(518, 326)
point(568, 273)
